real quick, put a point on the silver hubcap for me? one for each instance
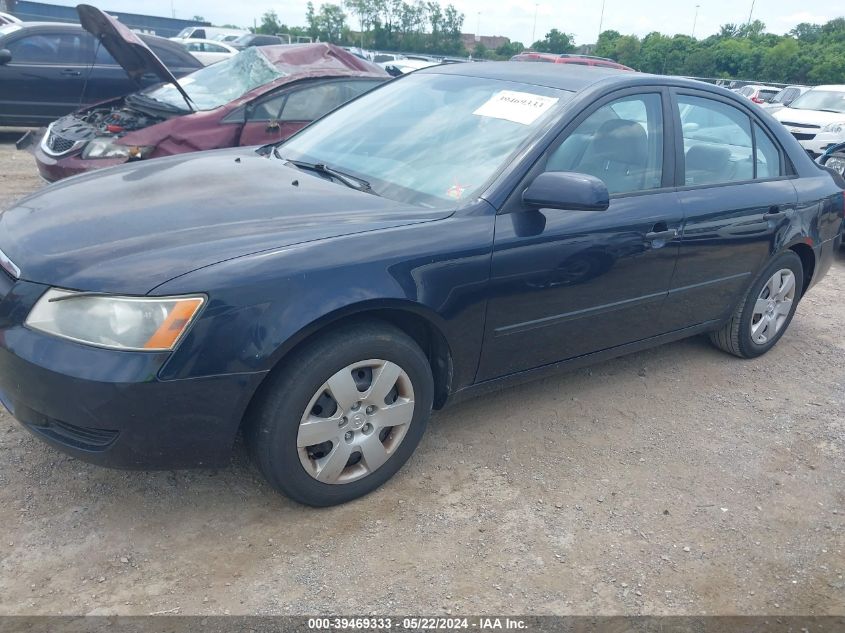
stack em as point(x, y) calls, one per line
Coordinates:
point(773, 306)
point(355, 421)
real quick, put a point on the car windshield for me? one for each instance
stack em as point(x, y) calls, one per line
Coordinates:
point(831, 100)
point(220, 83)
point(428, 139)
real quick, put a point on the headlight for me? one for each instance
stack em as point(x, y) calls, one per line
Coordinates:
point(835, 128)
point(127, 323)
point(836, 163)
point(109, 148)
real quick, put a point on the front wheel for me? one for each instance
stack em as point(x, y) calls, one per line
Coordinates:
point(762, 318)
point(343, 414)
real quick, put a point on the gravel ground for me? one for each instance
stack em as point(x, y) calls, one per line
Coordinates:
point(674, 481)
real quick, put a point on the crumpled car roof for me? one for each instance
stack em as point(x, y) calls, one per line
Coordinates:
point(296, 59)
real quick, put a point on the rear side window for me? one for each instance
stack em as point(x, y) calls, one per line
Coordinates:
point(766, 155)
point(621, 143)
point(717, 142)
point(49, 48)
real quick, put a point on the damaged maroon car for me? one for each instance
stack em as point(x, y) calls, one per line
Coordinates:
point(261, 95)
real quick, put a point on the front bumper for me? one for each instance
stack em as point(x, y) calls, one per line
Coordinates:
point(819, 144)
point(53, 168)
point(109, 407)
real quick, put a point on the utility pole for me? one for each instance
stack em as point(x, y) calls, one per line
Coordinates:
point(695, 19)
point(751, 12)
point(534, 29)
point(601, 18)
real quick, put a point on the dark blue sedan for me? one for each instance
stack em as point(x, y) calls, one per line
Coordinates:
point(458, 229)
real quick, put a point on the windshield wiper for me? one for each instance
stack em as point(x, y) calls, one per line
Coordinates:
point(321, 168)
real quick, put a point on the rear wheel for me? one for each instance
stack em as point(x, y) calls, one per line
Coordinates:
point(762, 318)
point(343, 415)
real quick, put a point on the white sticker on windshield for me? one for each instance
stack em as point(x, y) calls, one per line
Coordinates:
point(519, 107)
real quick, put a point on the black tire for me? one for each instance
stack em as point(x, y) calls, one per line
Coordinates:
point(274, 419)
point(734, 336)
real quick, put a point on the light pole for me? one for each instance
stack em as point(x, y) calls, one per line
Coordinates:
point(478, 28)
point(534, 29)
point(751, 12)
point(695, 19)
point(601, 17)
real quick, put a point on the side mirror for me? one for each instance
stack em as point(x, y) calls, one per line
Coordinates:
point(566, 190)
point(5, 56)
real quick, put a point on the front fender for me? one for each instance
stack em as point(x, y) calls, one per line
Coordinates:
point(261, 306)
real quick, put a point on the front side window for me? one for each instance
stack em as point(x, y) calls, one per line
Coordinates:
point(621, 143)
point(312, 103)
point(429, 139)
point(48, 48)
point(717, 142)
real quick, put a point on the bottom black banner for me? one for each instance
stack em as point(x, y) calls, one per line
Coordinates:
point(527, 624)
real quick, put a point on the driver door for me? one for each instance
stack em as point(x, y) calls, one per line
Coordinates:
point(568, 283)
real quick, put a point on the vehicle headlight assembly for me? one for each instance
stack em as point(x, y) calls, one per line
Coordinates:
point(123, 323)
point(835, 128)
point(836, 163)
point(109, 148)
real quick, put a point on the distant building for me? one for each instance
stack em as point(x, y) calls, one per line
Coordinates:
point(45, 12)
point(490, 42)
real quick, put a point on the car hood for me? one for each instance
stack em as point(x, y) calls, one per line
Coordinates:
point(131, 228)
point(809, 117)
point(128, 50)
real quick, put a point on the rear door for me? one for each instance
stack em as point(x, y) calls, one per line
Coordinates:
point(736, 191)
point(44, 79)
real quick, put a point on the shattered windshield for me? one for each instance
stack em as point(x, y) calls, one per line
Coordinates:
point(220, 83)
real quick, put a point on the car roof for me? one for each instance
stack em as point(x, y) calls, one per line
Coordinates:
point(298, 59)
point(831, 87)
point(74, 27)
point(570, 77)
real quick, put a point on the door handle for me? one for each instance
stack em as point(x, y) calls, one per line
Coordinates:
point(661, 232)
point(70, 72)
point(774, 213)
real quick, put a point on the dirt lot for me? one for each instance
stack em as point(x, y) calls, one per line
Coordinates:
point(675, 481)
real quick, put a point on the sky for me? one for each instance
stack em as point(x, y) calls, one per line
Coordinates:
point(515, 18)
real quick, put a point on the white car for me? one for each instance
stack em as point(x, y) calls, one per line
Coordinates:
point(209, 51)
point(816, 118)
point(5, 18)
point(784, 97)
point(218, 34)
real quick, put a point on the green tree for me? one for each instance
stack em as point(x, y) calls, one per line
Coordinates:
point(269, 24)
point(555, 42)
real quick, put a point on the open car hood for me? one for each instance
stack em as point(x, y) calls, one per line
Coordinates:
point(126, 47)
